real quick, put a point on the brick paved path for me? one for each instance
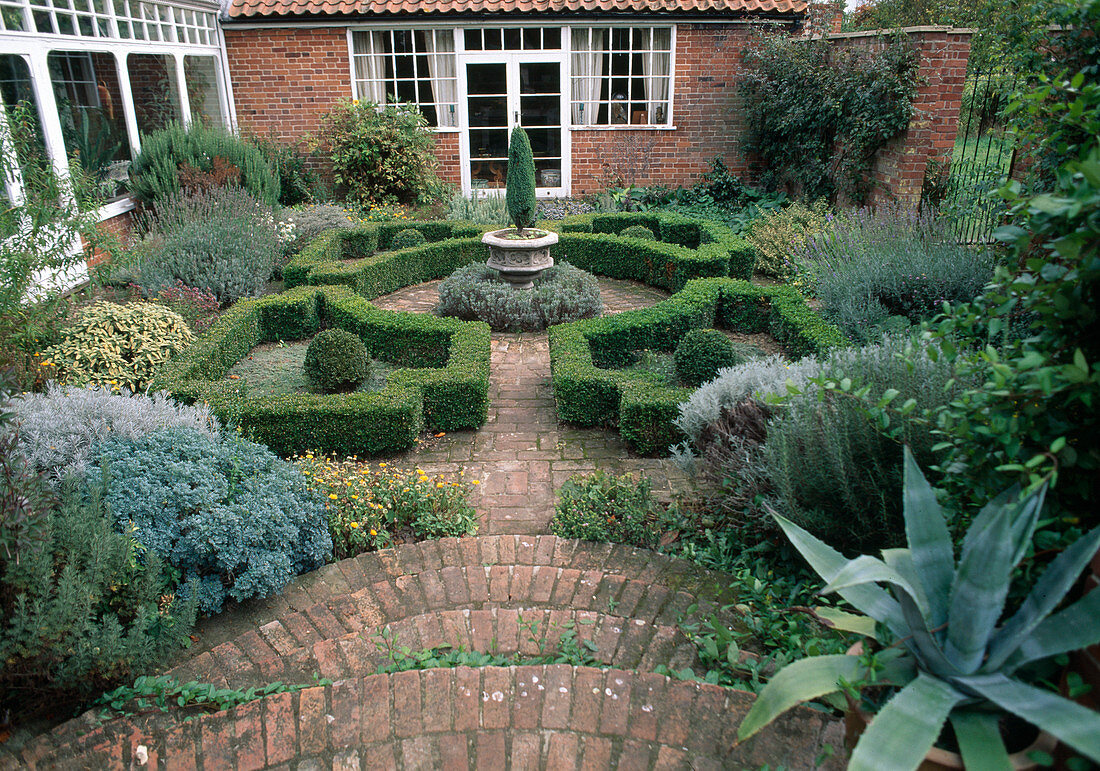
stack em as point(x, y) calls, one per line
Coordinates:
point(522, 454)
point(471, 592)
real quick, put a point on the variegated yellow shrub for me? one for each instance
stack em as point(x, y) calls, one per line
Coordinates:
point(119, 346)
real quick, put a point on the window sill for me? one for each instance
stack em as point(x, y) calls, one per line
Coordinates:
point(115, 208)
point(625, 127)
point(447, 130)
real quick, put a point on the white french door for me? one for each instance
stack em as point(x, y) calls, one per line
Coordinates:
point(504, 90)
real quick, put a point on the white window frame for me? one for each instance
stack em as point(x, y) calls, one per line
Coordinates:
point(669, 124)
point(182, 28)
point(437, 30)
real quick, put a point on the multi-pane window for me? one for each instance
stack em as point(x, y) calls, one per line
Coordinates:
point(133, 19)
point(503, 39)
point(409, 67)
point(621, 75)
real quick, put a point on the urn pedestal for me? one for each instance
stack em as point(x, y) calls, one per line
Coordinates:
point(519, 261)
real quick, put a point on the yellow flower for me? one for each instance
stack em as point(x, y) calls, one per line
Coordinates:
point(334, 496)
point(373, 531)
point(354, 525)
point(475, 481)
point(355, 497)
point(438, 484)
point(381, 465)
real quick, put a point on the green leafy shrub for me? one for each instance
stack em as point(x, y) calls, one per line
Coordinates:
point(561, 293)
point(381, 153)
point(119, 346)
point(58, 428)
point(211, 150)
point(406, 238)
point(876, 269)
point(606, 507)
point(87, 609)
point(780, 238)
point(336, 361)
point(222, 240)
point(520, 182)
point(638, 231)
point(233, 519)
point(820, 113)
point(834, 471)
point(701, 354)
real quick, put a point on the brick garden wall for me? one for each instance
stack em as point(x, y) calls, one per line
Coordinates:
point(942, 53)
point(284, 80)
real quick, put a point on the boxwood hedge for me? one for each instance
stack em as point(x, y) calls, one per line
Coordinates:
point(442, 384)
point(711, 240)
point(688, 249)
point(590, 393)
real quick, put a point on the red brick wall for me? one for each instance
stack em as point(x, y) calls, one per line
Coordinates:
point(900, 165)
point(285, 79)
point(120, 227)
point(708, 62)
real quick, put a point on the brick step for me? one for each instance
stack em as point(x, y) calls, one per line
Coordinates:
point(516, 572)
point(625, 643)
point(555, 717)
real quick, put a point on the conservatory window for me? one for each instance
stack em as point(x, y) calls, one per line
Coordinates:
point(155, 90)
point(89, 106)
point(200, 74)
point(408, 67)
point(621, 76)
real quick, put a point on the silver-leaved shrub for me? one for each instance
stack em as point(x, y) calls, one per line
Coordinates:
point(236, 521)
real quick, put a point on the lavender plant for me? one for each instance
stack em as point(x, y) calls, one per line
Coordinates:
point(892, 266)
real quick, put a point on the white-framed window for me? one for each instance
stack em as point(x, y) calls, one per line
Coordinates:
point(409, 67)
point(621, 76)
point(512, 39)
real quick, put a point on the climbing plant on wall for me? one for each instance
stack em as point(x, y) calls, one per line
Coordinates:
point(817, 114)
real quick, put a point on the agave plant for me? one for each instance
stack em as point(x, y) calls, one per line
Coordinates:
point(947, 654)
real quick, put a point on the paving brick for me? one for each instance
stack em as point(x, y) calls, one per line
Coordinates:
point(312, 722)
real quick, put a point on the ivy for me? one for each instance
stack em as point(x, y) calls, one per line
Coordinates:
point(817, 114)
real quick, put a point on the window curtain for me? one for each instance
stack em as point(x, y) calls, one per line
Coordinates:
point(370, 66)
point(441, 70)
point(656, 66)
point(588, 60)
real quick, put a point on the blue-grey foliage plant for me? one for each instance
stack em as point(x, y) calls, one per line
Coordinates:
point(946, 648)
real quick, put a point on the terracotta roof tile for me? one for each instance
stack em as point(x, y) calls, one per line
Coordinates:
point(269, 8)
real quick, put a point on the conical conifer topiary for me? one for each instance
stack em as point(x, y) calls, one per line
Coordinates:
point(520, 195)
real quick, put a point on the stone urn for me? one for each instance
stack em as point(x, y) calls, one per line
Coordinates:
point(520, 260)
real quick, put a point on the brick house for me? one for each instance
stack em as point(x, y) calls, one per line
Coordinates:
point(604, 88)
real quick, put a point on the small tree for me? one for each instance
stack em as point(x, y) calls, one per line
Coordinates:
point(520, 195)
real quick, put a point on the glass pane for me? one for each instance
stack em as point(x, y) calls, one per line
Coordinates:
point(493, 40)
point(548, 172)
point(489, 143)
point(489, 111)
point(541, 78)
point(486, 79)
point(13, 17)
point(488, 173)
point(540, 111)
point(89, 106)
point(201, 76)
point(473, 39)
point(551, 38)
point(545, 142)
point(512, 40)
point(532, 39)
point(155, 90)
